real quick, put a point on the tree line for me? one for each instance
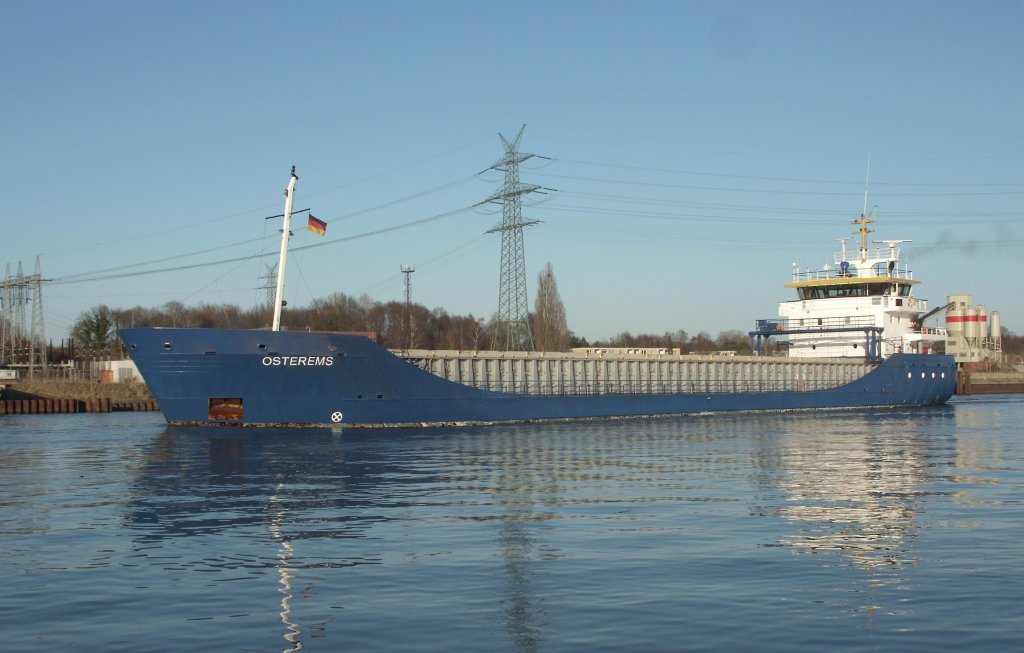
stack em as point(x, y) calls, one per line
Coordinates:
point(397, 325)
point(394, 324)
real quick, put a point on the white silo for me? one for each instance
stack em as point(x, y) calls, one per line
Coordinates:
point(955, 320)
point(996, 328)
point(961, 301)
point(982, 322)
point(971, 325)
point(957, 315)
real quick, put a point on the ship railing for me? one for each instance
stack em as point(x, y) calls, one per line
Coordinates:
point(870, 253)
point(780, 326)
point(816, 329)
point(830, 272)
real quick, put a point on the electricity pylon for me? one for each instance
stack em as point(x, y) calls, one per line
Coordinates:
point(513, 331)
point(20, 345)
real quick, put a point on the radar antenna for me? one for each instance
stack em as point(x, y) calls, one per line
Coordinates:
point(892, 244)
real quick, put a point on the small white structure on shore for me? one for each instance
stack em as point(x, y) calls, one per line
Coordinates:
point(123, 371)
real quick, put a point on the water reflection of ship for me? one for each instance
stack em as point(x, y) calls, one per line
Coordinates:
point(853, 490)
point(202, 483)
point(198, 482)
point(285, 572)
point(307, 484)
point(527, 477)
point(847, 484)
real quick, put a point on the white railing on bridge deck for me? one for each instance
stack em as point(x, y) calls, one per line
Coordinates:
point(830, 272)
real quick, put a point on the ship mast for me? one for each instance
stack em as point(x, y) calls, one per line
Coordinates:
point(283, 260)
point(864, 221)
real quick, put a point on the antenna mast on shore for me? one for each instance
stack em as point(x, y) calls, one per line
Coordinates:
point(407, 270)
point(513, 331)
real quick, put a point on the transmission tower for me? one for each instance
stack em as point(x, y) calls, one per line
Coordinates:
point(513, 327)
point(407, 270)
point(7, 322)
point(23, 344)
point(270, 285)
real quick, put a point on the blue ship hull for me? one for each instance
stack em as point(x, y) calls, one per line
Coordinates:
point(211, 376)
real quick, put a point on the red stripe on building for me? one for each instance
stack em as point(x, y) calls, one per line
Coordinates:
point(966, 318)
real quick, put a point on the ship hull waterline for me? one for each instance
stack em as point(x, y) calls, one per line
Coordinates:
point(318, 379)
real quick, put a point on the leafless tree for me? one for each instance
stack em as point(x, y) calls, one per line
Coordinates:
point(550, 328)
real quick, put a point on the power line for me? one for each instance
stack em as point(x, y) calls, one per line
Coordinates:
point(773, 191)
point(698, 173)
point(70, 277)
point(336, 241)
point(806, 217)
point(632, 199)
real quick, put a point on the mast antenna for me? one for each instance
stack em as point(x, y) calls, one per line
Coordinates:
point(282, 261)
point(867, 176)
point(407, 270)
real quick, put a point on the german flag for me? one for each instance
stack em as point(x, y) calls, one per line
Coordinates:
point(316, 226)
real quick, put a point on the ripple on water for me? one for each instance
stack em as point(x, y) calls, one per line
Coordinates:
point(890, 530)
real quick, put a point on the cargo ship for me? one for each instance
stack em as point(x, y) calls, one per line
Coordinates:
point(853, 338)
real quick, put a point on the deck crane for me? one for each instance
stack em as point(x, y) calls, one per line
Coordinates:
point(919, 321)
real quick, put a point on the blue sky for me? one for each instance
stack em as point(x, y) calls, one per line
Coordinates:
point(697, 149)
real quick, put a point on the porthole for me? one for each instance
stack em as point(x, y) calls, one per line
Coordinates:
point(909, 375)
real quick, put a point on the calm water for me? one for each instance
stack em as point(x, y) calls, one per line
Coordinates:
point(889, 530)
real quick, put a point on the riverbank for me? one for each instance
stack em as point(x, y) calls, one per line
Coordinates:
point(975, 383)
point(35, 397)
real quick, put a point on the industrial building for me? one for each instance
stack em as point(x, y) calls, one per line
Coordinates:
point(972, 334)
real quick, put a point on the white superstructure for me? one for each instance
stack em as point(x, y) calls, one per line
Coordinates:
point(859, 306)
